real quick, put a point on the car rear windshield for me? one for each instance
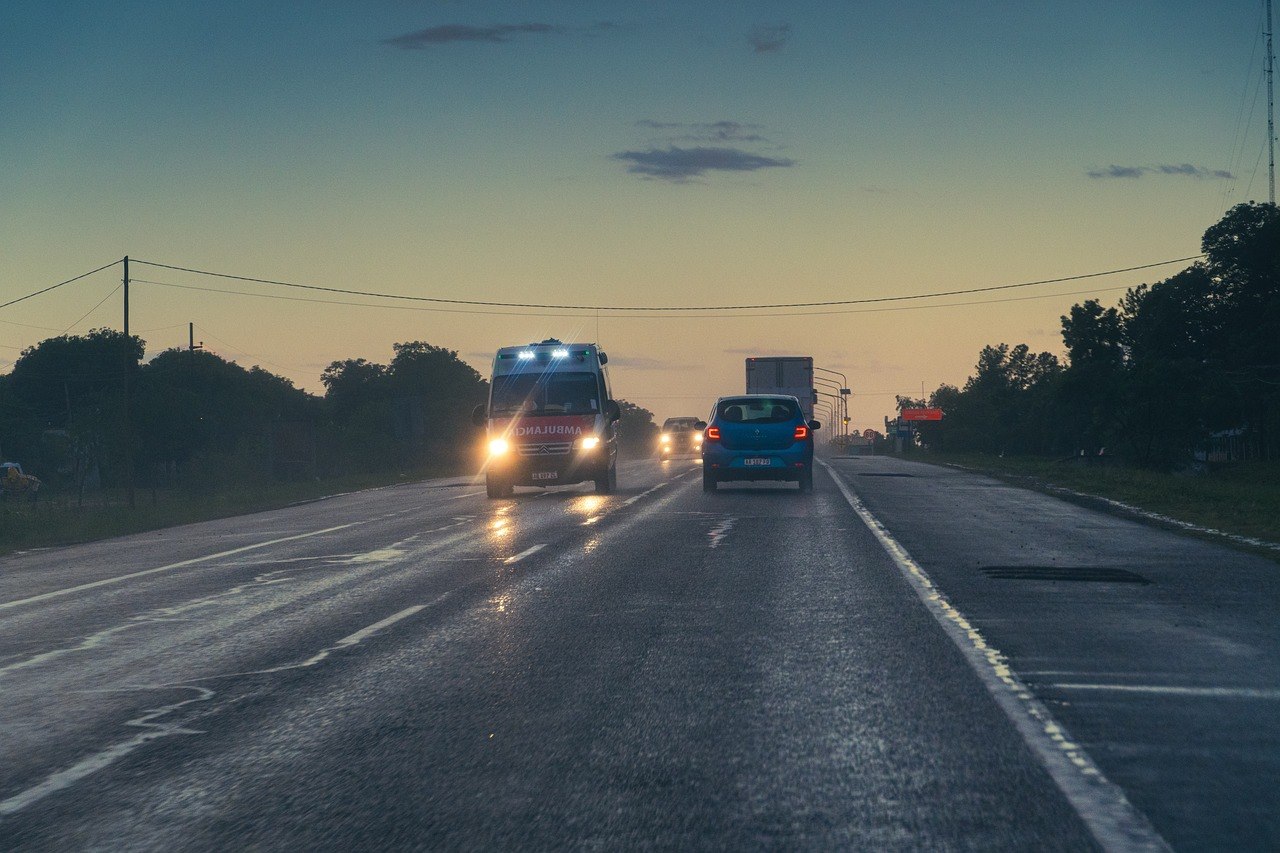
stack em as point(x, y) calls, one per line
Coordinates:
point(760, 410)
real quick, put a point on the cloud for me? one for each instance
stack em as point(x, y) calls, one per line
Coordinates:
point(682, 164)
point(449, 33)
point(713, 131)
point(767, 38)
point(1183, 169)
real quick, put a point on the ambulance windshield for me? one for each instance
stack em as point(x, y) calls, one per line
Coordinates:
point(549, 393)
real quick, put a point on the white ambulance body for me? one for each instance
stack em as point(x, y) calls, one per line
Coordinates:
point(551, 418)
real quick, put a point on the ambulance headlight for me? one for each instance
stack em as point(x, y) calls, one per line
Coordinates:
point(498, 447)
point(591, 442)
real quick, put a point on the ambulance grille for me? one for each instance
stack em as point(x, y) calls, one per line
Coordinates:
point(535, 450)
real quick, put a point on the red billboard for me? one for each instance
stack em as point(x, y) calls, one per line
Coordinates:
point(921, 414)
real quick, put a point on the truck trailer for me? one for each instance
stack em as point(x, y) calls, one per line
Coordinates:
point(787, 374)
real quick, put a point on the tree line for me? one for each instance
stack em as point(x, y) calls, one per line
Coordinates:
point(199, 422)
point(1183, 368)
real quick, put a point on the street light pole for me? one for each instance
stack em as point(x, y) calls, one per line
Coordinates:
point(844, 396)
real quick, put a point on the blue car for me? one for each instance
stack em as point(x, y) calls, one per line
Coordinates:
point(757, 437)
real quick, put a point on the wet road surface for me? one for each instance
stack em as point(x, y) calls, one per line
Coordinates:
point(418, 666)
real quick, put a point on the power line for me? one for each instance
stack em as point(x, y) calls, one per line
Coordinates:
point(824, 304)
point(94, 308)
point(59, 284)
point(637, 317)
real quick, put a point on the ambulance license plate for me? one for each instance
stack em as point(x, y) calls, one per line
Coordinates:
point(757, 460)
point(546, 475)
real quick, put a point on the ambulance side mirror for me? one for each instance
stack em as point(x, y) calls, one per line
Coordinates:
point(612, 411)
point(480, 415)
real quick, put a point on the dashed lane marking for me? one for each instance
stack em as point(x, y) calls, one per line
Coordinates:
point(527, 552)
point(1175, 690)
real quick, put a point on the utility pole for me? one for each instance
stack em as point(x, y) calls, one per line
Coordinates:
point(128, 394)
point(1271, 109)
point(192, 346)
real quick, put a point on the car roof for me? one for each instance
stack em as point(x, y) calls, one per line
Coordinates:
point(758, 397)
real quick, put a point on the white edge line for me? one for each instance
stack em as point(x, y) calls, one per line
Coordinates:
point(57, 593)
point(1101, 804)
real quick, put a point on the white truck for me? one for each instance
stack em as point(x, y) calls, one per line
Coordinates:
point(786, 374)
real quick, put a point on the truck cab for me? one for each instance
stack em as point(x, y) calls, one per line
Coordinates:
point(551, 418)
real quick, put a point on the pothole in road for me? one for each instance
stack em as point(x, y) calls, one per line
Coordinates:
point(1086, 574)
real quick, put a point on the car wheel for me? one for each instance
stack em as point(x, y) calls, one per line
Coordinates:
point(708, 481)
point(496, 487)
point(607, 483)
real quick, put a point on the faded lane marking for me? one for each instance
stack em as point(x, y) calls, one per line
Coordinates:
point(93, 763)
point(1174, 690)
point(346, 642)
point(645, 493)
point(151, 617)
point(171, 566)
point(527, 552)
point(1101, 804)
point(378, 555)
point(719, 532)
point(467, 495)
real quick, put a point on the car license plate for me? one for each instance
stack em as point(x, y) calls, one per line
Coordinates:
point(757, 460)
point(545, 475)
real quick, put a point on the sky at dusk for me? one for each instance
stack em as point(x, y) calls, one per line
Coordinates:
point(607, 154)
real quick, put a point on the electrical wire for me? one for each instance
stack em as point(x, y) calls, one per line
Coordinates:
point(94, 308)
point(824, 304)
point(56, 286)
point(641, 316)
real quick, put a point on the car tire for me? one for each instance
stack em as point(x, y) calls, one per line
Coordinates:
point(607, 483)
point(496, 487)
point(708, 480)
point(806, 481)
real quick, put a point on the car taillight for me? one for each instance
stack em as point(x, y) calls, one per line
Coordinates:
point(802, 432)
point(713, 433)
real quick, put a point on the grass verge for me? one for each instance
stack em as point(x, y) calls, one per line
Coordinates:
point(1243, 499)
point(57, 520)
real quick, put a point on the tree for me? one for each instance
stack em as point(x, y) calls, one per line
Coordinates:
point(636, 430)
point(73, 384)
point(1091, 386)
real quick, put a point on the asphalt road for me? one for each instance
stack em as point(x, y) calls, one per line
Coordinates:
point(419, 667)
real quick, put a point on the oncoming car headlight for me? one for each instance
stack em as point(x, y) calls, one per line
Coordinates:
point(590, 442)
point(498, 447)
point(697, 438)
point(666, 438)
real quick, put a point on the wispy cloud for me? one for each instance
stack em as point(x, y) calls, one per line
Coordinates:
point(450, 33)
point(1186, 170)
point(715, 131)
point(768, 38)
point(683, 164)
point(682, 151)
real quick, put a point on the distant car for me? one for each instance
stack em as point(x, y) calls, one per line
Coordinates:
point(679, 437)
point(757, 437)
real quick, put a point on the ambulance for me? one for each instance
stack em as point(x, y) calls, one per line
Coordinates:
point(551, 419)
